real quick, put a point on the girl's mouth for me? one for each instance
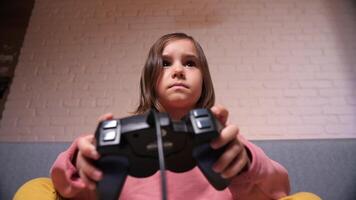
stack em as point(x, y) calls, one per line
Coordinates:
point(178, 85)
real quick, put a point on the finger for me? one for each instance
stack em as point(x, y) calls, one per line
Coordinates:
point(231, 152)
point(236, 165)
point(89, 169)
point(228, 134)
point(89, 175)
point(79, 183)
point(220, 113)
point(106, 116)
point(88, 183)
point(87, 148)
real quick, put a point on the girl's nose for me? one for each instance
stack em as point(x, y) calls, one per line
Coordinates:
point(178, 71)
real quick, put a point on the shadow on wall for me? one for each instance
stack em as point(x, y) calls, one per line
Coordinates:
point(342, 20)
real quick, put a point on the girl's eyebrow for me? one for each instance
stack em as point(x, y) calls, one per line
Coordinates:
point(191, 56)
point(187, 55)
point(165, 56)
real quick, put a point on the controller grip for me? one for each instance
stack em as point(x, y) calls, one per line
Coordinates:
point(115, 170)
point(206, 157)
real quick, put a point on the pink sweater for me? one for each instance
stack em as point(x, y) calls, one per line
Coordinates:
point(265, 179)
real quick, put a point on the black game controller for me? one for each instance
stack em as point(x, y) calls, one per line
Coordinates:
point(128, 146)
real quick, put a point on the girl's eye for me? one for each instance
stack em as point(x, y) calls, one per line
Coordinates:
point(190, 63)
point(166, 63)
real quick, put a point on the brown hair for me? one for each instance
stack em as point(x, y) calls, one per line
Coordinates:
point(152, 69)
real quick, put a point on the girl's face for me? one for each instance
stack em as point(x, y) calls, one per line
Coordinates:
point(179, 84)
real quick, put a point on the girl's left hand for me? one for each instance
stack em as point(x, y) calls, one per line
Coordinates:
point(235, 158)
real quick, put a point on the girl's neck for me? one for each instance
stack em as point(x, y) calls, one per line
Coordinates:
point(175, 113)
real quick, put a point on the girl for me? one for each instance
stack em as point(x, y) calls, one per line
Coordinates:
point(176, 79)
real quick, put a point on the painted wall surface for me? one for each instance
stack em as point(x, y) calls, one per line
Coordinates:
point(284, 69)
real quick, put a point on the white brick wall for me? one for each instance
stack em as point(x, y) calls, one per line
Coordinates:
point(285, 69)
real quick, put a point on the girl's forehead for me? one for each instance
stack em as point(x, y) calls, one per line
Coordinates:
point(185, 46)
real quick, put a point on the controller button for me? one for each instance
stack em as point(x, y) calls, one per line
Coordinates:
point(200, 113)
point(204, 123)
point(109, 136)
point(110, 124)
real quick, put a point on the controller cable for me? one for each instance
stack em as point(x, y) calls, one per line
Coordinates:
point(161, 157)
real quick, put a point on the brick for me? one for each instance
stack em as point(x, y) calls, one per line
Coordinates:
point(347, 119)
point(71, 102)
point(15, 112)
point(104, 101)
point(42, 131)
point(304, 130)
point(306, 110)
point(84, 103)
point(339, 92)
point(66, 121)
point(301, 92)
point(320, 120)
point(280, 84)
point(52, 111)
point(284, 120)
point(267, 130)
point(339, 110)
point(337, 101)
point(252, 121)
point(295, 60)
point(320, 60)
point(315, 84)
point(17, 104)
point(350, 100)
point(9, 122)
point(33, 121)
point(349, 129)
point(312, 101)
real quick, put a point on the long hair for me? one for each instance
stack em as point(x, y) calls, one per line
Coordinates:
point(153, 67)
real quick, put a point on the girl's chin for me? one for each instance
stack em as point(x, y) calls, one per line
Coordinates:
point(179, 100)
point(180, 103)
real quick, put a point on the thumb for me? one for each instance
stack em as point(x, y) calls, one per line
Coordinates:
point(106, 116)
point(221, 113)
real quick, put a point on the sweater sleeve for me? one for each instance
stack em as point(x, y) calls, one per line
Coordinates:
point(265, 178)
point(65, 176)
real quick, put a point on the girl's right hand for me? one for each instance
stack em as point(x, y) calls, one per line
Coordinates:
point(86, 154)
